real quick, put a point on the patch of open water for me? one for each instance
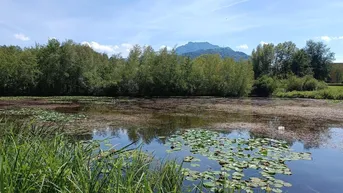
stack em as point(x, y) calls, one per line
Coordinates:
point(322, 174)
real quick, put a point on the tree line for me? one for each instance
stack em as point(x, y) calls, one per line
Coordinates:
point(286, 59)
point(69, 68)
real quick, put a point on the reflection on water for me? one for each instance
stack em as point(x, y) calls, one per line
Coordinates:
point(323, 174)
point(311, 135)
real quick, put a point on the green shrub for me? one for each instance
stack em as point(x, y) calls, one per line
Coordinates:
point(264, 86)
point(307, 83)
point(322, 85)
point(310, 84)
point(295, 84)
point(332, 92)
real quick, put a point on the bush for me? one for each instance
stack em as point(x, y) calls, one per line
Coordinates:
point(264, 86)
point(294, 84)
point(310, 84)
point(307, 83)
point(322, 85)
point(335, 93)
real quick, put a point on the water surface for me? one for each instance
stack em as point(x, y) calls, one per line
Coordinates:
point(324, 173)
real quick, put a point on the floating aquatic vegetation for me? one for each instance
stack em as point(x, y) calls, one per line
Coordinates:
point(43, 115)
point(267, 156)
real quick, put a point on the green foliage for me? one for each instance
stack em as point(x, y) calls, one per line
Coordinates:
point(69, 68)
point(294, 83)
point(301, 63)
point(310, 85)
point(36, 161)
point(267, 86)
point(262, 59)
point(285, 59)
point(284, 53)
point(264, 86)
point(331, 92)
point(267, 157)
point(307, 83)
point(18, 70)
point(320, 59)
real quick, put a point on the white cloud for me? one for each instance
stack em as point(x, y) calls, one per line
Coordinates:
point(21, 37)
point(328, 38)
point(325, 38)
point(243, 47)
point(263, 43)
point(122, 49)
point(168, 47)
point(126, 46)
point(101, 48)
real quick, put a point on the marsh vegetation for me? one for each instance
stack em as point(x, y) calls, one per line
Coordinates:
point(79, 144)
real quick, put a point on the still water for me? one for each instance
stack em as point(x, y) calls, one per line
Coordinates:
point(322, 174)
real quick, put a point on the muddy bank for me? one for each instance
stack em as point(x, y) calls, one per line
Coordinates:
point(142, 110)
point(304, 108)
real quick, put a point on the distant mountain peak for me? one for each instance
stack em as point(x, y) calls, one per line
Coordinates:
point(195, 49)
point(195, 46)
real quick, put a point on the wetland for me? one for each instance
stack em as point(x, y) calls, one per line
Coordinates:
point(255, 144)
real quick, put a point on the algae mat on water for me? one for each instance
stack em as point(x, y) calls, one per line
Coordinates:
point(267, 157)
point(42, 115)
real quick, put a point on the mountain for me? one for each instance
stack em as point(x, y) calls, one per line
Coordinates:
point(195, 46)
point(195, 49)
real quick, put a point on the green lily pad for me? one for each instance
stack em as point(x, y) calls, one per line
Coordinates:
point(266, 156)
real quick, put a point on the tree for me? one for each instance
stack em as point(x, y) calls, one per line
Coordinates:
point(129, 86)
point(52, 76)
point(144, 75)
point(263, 59)
point(301, 63)
point(186, 81)
point(69, 68)
point(18, 70)
point(283, 59)
point(320, 59)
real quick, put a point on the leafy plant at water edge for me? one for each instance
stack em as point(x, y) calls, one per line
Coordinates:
point(267, 156)
point(54, 163)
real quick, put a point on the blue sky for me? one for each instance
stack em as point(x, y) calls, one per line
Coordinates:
point(113, 26)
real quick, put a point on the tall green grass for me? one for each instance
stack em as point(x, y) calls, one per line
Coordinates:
point(332, 92)
point(41, 160)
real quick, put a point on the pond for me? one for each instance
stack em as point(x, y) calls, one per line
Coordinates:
point(158, 127)
point(323, 173)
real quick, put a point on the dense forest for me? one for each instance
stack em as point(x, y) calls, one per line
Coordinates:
point(69, 68)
